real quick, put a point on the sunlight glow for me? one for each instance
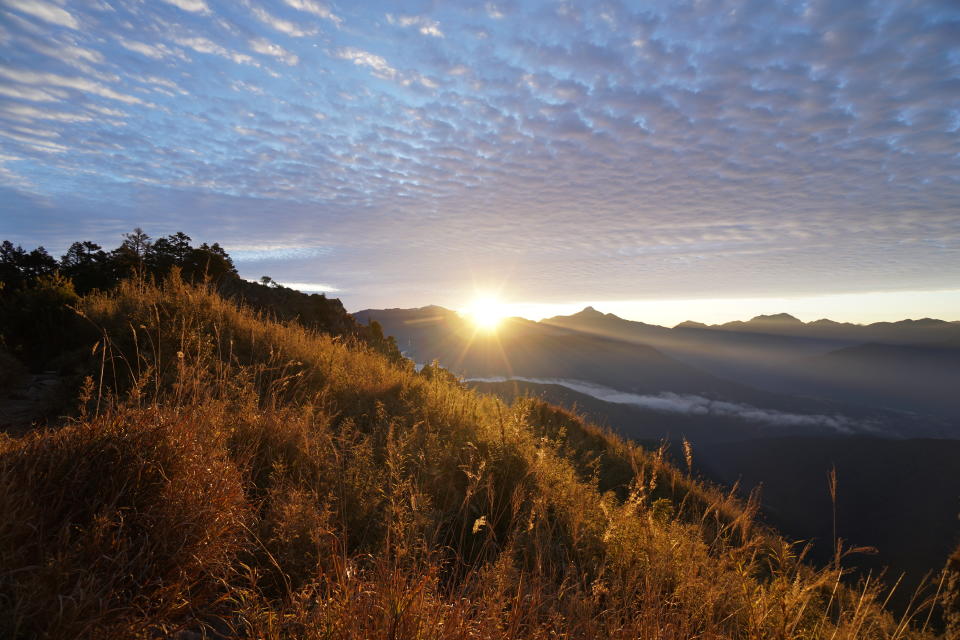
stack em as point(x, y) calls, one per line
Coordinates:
point(860, 308)
point(486, 312)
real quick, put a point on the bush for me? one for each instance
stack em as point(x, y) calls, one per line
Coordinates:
point(114, 523)
point(37, 321)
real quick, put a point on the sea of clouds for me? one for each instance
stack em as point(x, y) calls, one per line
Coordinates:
point(692, 404)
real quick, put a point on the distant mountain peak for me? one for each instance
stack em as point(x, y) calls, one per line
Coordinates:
point(691, 324)
point(435, 308)
point(779, 318)
point(589, 311)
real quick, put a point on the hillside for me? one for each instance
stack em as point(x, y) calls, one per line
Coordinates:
point(229, 475)
point(35, 287)
point(897, 496)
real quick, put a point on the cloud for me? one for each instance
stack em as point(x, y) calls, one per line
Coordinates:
point(11, 178)
point(159, 84)
point(281, 25)
point(267, 48)
point(45, 11)
point(38, 144)
point(311, 287)
point(156, 51)
point(271, 254)
point(41, 133)
point(362, 58)
point(691, 404)
point(105, 111)
point(316, 8)
point(79, 57)
point(33, 94)
point(26, 113)
point(493, 11)
point(191, 6)
point(79, 84)
point(424, 25)
point(205, 45)
point(239, 85)
point(578, 151)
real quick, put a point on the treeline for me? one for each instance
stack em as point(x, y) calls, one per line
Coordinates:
point(88, 266)
point(38, 293)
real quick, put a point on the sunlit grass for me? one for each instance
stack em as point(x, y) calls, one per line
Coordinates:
point(237, 477)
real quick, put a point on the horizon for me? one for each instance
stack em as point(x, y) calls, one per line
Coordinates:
point(398, 153)
point(861, 308)
point(664, 312)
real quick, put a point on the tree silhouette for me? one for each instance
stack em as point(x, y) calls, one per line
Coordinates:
point(169, 252)
point(131, 255)
point(88, 265)
point(18, 267)
point(208, 261)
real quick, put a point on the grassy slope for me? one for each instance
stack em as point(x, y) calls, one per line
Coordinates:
point(260, 480)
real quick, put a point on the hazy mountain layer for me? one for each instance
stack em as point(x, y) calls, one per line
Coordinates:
point(910, 365)
point(899, 396)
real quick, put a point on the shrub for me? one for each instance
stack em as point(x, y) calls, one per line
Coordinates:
point(37, 322)
point(119, 521)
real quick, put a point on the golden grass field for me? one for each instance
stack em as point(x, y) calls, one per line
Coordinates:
point(231, 476)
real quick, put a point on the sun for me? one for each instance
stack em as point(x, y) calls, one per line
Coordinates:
point(486, 312)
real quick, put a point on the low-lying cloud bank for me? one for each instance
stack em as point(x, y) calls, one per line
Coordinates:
point(691, 404)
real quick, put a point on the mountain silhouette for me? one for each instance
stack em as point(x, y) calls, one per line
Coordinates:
point(911, 365)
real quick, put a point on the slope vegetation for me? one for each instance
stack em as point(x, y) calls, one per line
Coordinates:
point(228, 475)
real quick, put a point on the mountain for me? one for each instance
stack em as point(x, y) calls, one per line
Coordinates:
point(742, 355)
point(764, 371)
point(238, 476)
point(903, 332)
point(591, 347)
point(776, 323)
point(525, 348)
point(690, 324)
point(912, 365)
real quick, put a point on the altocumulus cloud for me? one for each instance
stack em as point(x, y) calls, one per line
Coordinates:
point(581, 150)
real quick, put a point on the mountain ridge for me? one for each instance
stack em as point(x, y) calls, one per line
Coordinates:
point(773, 319)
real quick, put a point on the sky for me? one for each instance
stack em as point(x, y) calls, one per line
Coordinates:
point(662, 160)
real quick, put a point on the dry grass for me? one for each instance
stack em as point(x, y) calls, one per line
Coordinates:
point(243, 478)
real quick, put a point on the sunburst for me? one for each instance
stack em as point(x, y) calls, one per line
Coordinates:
point(486, 312)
